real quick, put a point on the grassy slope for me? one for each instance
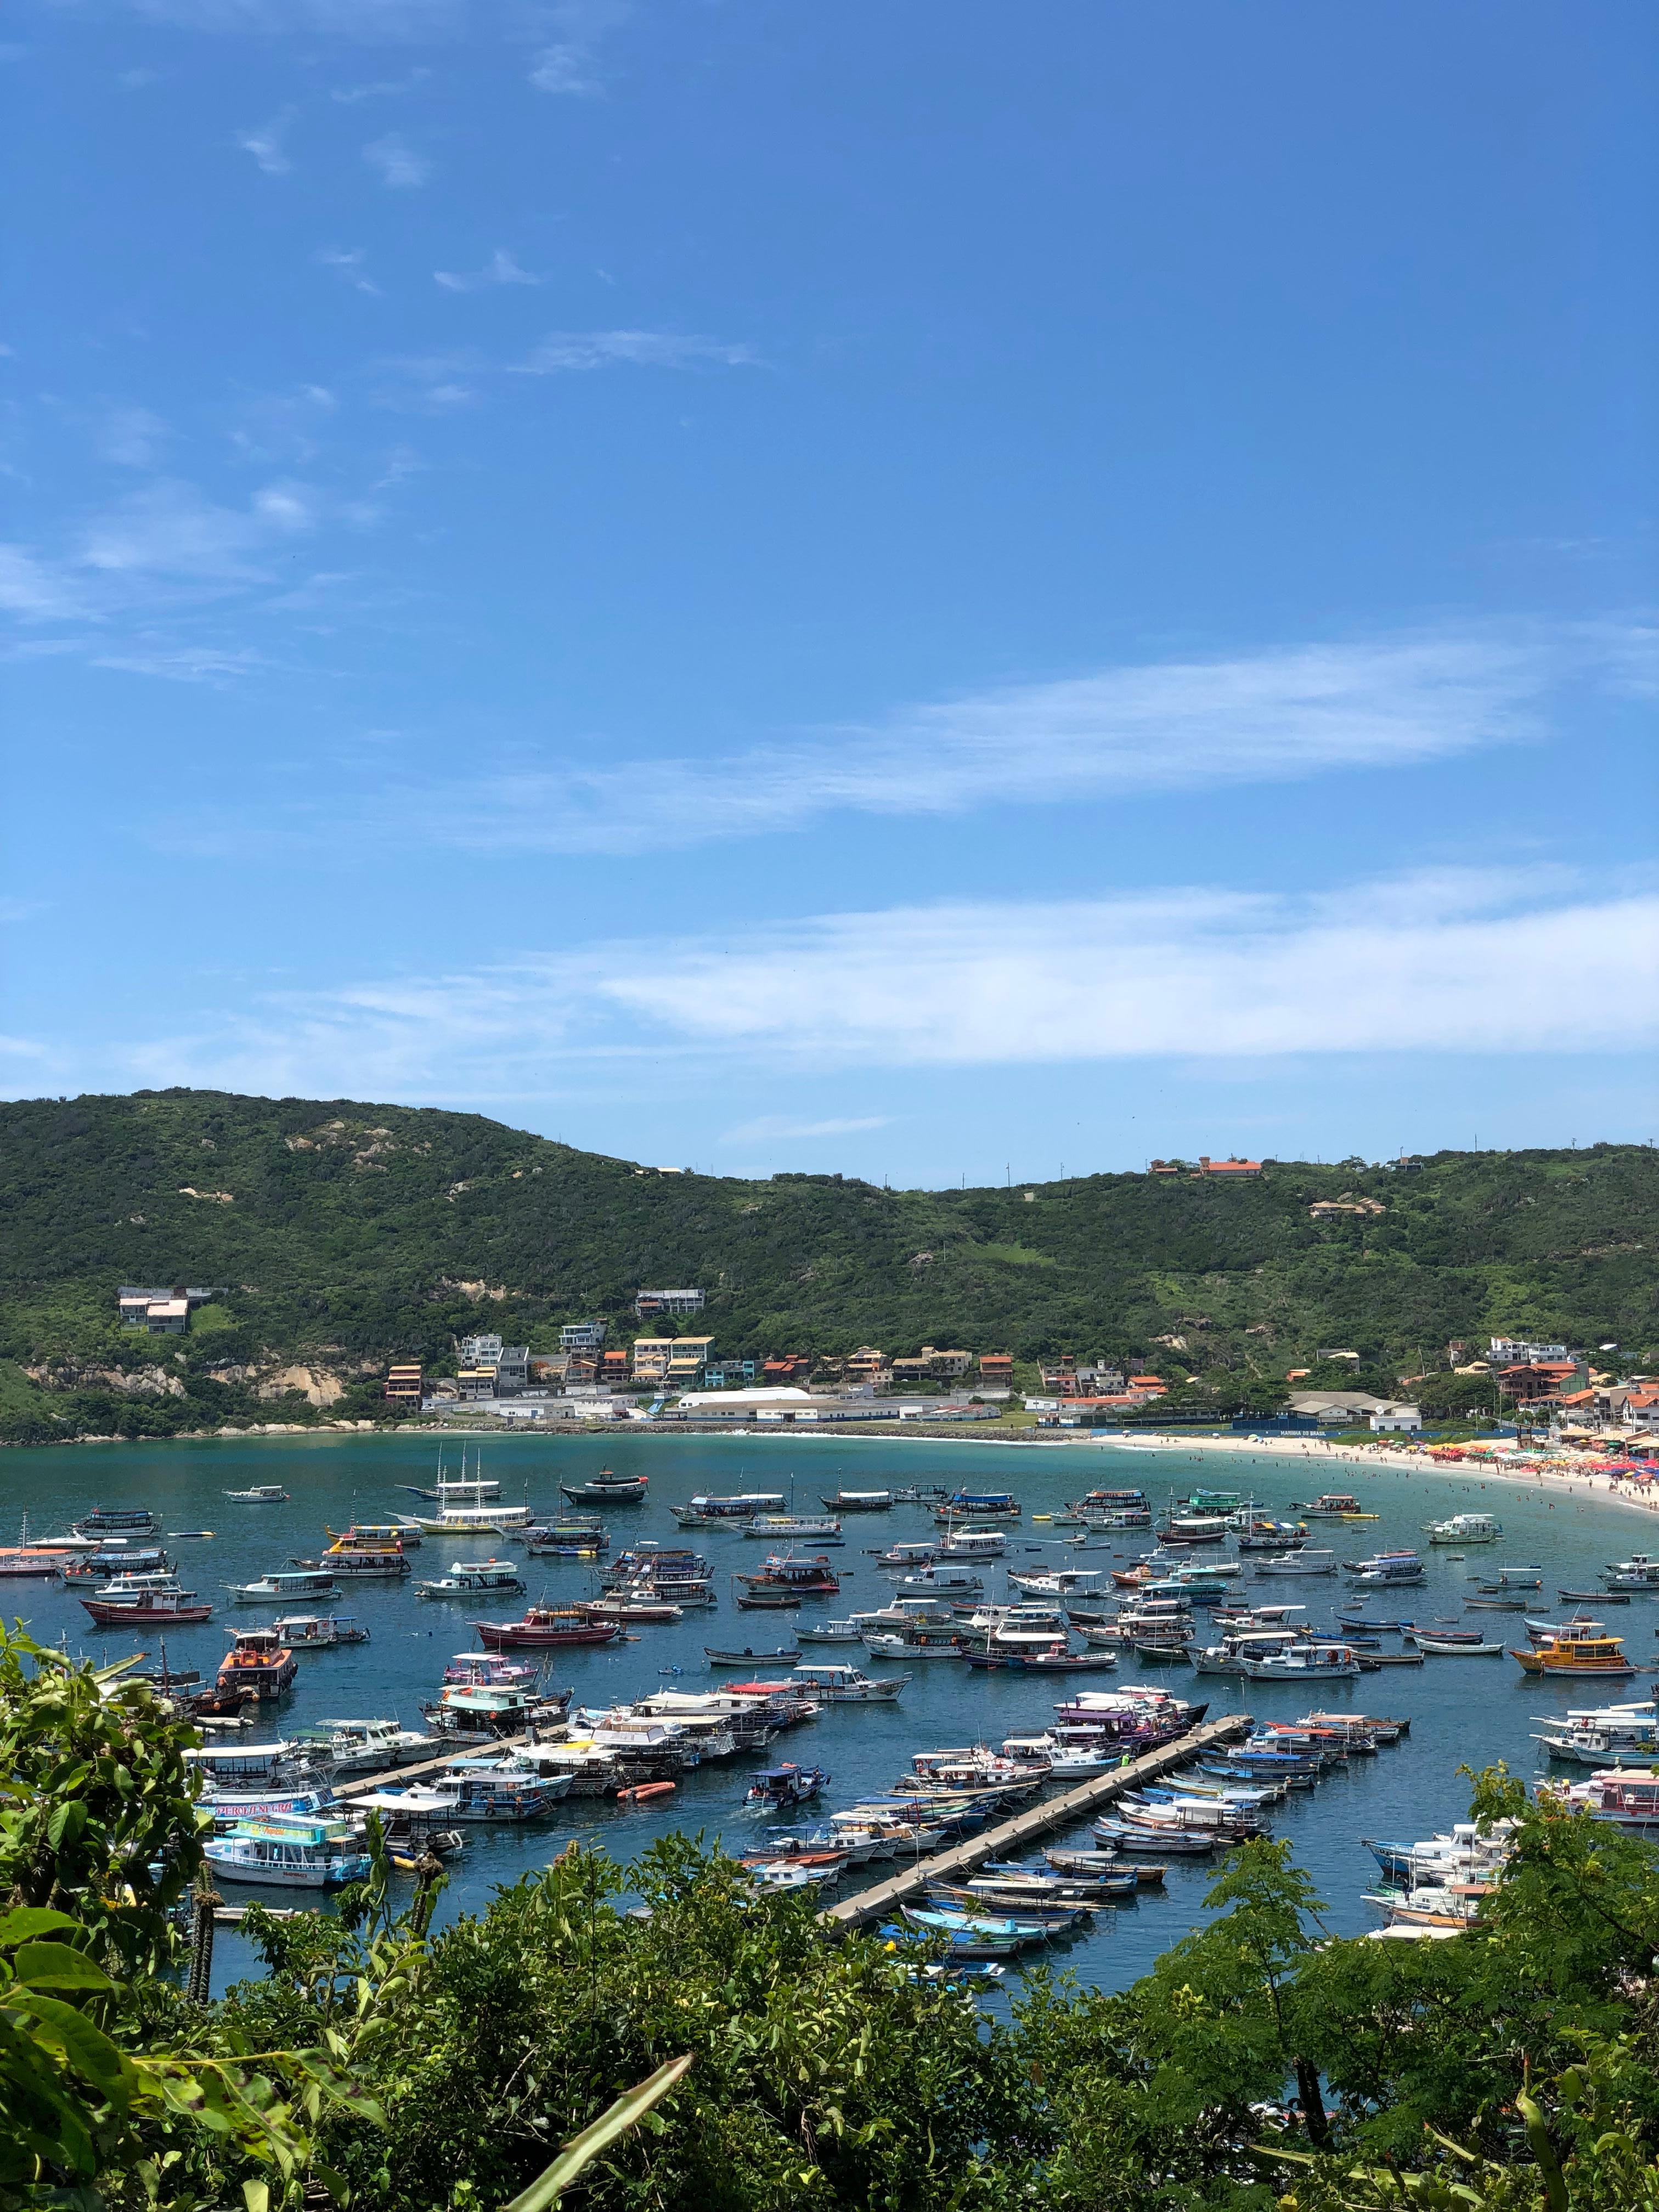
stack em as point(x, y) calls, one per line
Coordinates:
point(344, 1242)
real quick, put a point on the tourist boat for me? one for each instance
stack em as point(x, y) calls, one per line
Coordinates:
point(945, 1578)
point(497, 1793)
point(545, 1627)
point(833, 1631)
point(794, 1578)
point(1059, 1582)
point(147, 1608)
point(973, 1544)
point(410, 1823)
point(1194, 1529)
point(116, 1521)
point(919, 1640)
point(607, 1489)
point(258, 1664)
point(979, 1505)
point(1628, 1800)
point(365, 1747)
point(1640, 1573)
point(1466, 1529)
point(352, 1565)
point(1388, 1567)
point(489, 1667)
point(476, 1578)
point(847, 1686)
point(706, 1510)
point(462, 1512)
point(679, 1576)
point(375, 1536)
point(785, 1786)
point(784, 1656)
point(284, 1586)
point(859, 1501)
point(299, 1853)
point(1113, 1509)
point(1236, 1645)
point(821, 1528)
point(1313, 1662)
point(1335, 1505)
point(482, 1712)
point(477, 1488)
point(1302, 1562)
point(27, 1561)
point(319, 1631)
point(624, 1605)
point(1258, 1532)
point(263, 1493)
point(1566, 1655)
point(119, 1559)
point(567, 1538)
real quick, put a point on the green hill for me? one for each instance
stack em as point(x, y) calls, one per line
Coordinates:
point(348, 1234)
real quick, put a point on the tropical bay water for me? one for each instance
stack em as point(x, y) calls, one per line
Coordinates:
point(1462, 1711)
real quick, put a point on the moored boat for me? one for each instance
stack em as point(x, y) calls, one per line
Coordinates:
point(545, 1627)
point(303, 1852)
point(258, 1664)
point(607, 1489)
point(263, 1493)
point(1569, 1656)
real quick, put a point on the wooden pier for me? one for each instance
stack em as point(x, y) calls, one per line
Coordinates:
point(880, 1902)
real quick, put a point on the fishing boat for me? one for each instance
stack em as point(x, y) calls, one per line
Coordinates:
point(147, 1608)
point(859, 1501)
point(847, 1686)
point(793, 1577)
point(263, 1493)
point(319, 1631)
point(284, 1586)
point(116, 1521)
point(481, 1578)
point(768, 1600)
point(258, 1664)
point(833, 1631)
point(785, 1786)
point(1179, 1843)
point(299, 1853)
point(1567, 1656)
point(624, 1605)
point(975, 1935)
point(1302, 1562)
point(979, 1505)
point(607, 1489)
point(545, 1627)
point(1384, 1567)
point(784, 1656)
point(1454, 1647)
point(706, 1510)
point(1514, 1579)
point(1466, 1529)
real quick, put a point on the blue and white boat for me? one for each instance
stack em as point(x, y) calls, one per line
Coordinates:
point(301, 1851)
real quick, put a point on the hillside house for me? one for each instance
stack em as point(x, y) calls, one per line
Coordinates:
point(583, 1335)
point(996, 1368)
point(1230, 1169)
point(650, 1305)
point(405, 1382)
point(931, 1364)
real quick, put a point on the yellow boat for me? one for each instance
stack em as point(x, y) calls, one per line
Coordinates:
point(1576, 1655)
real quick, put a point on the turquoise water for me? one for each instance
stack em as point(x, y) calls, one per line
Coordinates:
point(1468, 1712)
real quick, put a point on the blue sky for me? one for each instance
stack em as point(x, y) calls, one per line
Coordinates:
point(938, 591)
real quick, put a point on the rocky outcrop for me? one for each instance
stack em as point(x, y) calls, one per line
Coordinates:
point(321, 1385)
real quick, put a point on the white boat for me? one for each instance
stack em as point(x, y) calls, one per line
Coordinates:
point(905, 1559)
point(1639, 1572)
point(816, 1528)
point(471, 1520)
point(307, 1851)
point(285, 1587)
point(1304, 1562)
point(945, 1578)
point(318, 1632)
point(1060, 1581)
point(832, 1631)
point(363, 1746)
point(1466, 1529)
point(847, 1686)
point(266, 1493)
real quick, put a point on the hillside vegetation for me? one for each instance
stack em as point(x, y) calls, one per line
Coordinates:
point(346, 1234)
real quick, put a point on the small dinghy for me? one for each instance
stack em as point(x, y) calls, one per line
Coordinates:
point(747, 1658)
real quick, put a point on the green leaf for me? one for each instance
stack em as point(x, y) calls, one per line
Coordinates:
point(258, 2196)
point(55, 1966)
point(87, 2048)
point(27, 1920)
point(66, 1820)
point(627, 2113)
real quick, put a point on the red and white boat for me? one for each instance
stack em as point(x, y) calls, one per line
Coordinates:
point(545, 1627)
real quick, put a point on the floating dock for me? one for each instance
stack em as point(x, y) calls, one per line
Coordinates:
point(880, 1902)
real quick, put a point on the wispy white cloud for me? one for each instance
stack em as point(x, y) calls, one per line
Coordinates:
point(569, 64)
point(769, 1127)
point(349, 95)
point(500, 269)
point(37, 591)
point(350, 262)
point(1402, 965)
point(1274, 717)
point(171, 530)
point(131, 437)
point(398, 165)
point(265, 143)
point(581, 350)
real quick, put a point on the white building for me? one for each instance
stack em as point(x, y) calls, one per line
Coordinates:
point(1402, 1420)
